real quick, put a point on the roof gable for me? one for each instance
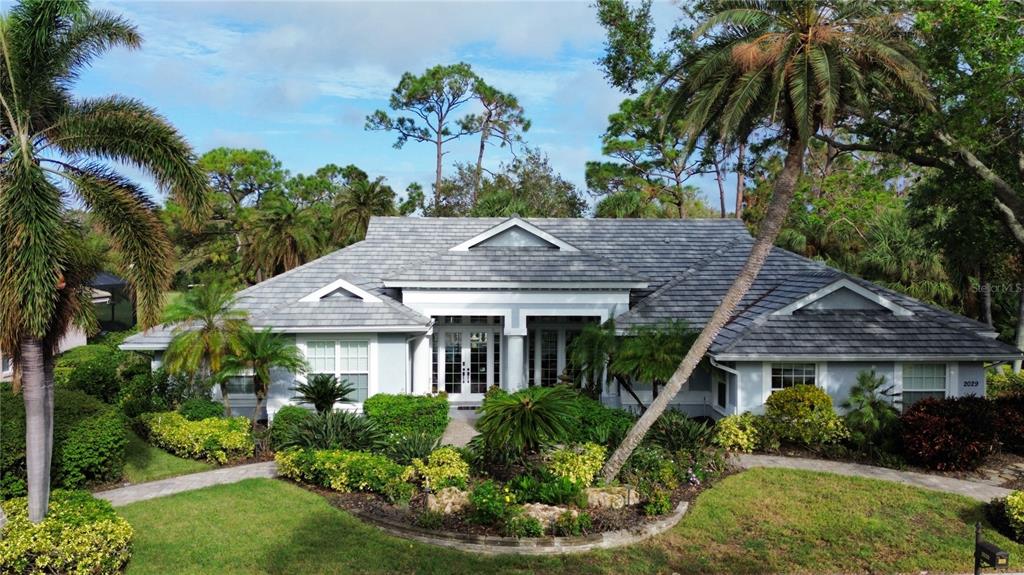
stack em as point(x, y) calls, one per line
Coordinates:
point(843, 294)
point(513, 233)
point(337, 286)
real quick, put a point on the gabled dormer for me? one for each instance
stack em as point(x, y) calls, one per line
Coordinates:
point(843, 295)
point(514, 233)
point(341, 288)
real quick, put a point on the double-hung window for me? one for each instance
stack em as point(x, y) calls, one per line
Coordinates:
point(921, 380)
point(789, 374)
point(347, 360)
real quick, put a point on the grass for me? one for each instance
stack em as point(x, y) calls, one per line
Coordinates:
point(144, 462)
point(763, 520)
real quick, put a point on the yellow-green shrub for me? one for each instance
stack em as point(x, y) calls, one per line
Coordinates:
point(444, 468)
point(1015, 513)
point(217, 439)
point(81, 535)
point(803, 415)
point(347, 471)
point(577, 463)
point(737, 433)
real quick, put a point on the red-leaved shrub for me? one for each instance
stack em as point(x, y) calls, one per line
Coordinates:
point(1009, 422)
point(949, 434)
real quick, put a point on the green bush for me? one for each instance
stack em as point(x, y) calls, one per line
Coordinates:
point(803, 415)
point(738, 433)
point(547, 489)
point(658, 503)
point(80, 535)
point(94, 373)
point(403, 449)
point(599, 424)
point(200, 408)
point(1002, 381)
point(676, 432)
point(520, 525)
point(1014, 508)
point(528, 419)
point(577, 463)
point(217, 439)
point(569, 525)
point(873, 422)
point(152, 392)
point(336, 430)
point(649, 469)
point(491, 503)
point(443, 468)
point(285, 421)
point(433, 520)
point(346, 471)
point(398, 415)
point(93, 450)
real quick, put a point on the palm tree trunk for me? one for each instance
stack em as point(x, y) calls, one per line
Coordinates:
point(775, 216)
point(48, 364)
point(740, 183)
point(224, 397)
point(37, 427)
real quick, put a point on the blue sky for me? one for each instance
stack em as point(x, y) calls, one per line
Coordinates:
point(299, 78)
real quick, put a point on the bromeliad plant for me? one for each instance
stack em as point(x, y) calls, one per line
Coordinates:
point(527, 420)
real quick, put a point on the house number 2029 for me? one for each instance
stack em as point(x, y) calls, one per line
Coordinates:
point(972, 383)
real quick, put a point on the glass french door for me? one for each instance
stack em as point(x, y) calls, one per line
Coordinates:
point(469, 363)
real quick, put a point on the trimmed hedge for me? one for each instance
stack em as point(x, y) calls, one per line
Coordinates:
point(408, 414)
point(803, 415)
point(89, 441)
point(80, 534)
point(738, 433)
point(949, 434)
point(347, 471)
point(217, 439)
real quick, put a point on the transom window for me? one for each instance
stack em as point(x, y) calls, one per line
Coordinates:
point(789, 374)
point(921, 380)
point(347, 360)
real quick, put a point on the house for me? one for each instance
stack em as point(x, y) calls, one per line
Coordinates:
point(457, 305)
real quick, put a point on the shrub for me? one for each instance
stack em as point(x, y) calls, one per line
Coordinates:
point(398, 415)
point(738, 433)
point(697, 466)
point(199, 408)
point(94, 371)
point(1009, 422)
point(547, 489)
point(80, 534)
point(949, 434)
point(651, 468)
point(528, 419)
point(152, 392)
point(93, 450)
point(322, 391)
point(600, 424)
point(403, 449)
point(443, 468)
point(873, 422)
point(676, 432)
point(491, 503)
point(1002, 381)
point(520, 525)
point(217, 439)
point(336, 430)
point(578, 463)
point(1014, 508)
point(346, 471)
point(285, 421)
point(429, 520)
point(803, 415)
point(658, 503)
point(569, 525)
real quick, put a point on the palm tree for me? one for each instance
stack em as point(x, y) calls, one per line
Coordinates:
point(628, 204)
point(258, 352)
point(794, 66)
point(55, 146)
point(361, 200)
point(652, 353)
point(285, 237)
point(322, 391)
point(206, 325)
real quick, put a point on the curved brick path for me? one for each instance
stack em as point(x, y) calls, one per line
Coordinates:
point(190, 482)
point(972, 489)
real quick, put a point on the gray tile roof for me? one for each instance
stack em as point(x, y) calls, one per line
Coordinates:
point(688, 265)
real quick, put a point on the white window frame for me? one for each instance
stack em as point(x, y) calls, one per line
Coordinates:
point(815, 376)
point(372, 387)
point(948, 372)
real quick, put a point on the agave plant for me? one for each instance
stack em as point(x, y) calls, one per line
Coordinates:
point(322, 391)
point(526, 420)
point(336, 430)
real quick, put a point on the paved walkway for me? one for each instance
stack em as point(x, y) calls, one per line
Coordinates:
point(191, 482)
point(972, 489)
point(460, 427)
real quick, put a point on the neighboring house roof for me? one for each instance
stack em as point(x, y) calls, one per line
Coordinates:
point(675, 270)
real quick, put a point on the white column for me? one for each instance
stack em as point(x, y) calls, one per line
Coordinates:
point(514, 357)
point(421, 365)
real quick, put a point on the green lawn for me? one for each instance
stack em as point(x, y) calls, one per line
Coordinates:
point(144, 462)
point(760, 521)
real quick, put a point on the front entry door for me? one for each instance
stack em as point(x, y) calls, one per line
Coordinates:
point(467, 361)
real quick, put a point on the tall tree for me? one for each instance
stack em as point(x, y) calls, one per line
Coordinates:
point(256, 352)
point(530, 187)
point(206, 324)
point(502, 121)
point(434, 98)
point(283, 237)
point(361, 200)
point(796, 66)
point(53, 146)
point(242, 175)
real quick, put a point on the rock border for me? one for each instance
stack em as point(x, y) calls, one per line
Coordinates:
point(494, 545)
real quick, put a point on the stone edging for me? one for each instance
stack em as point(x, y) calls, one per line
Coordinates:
point(493, 545)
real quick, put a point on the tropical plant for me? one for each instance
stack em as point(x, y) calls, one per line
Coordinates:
point(528, 419)
point(336, 430)
point(361, 200)
point(676, 432)
point(407, 447)
point(322, 391)
point(870, 417)
point(259, 351)
point(284, 237)
point(793, 66)
point(650, 354)
point(206, 325)
point(589, 354)
point(56, 149)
